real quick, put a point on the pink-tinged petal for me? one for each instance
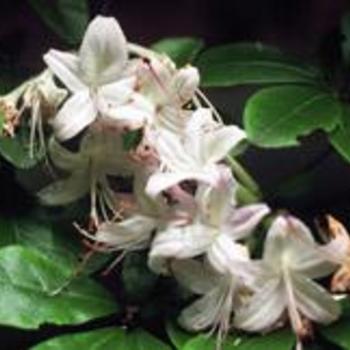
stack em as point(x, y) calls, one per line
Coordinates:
point(218, 143)
point(264, 309)
point(130, 234)
point(77, 113)
point(313, 301)
point(103, 52)
point(241, 222)
point(65, 66)
point(179, 243)
point(225, 256)
point(65, 191)
point(195, 276)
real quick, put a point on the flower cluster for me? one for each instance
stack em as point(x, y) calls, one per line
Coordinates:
point(183, 204)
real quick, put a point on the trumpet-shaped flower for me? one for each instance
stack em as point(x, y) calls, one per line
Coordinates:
point(219, 294)
point(290, 261)
point(100, 155)
point(95, 76)
point(215, 230)
point(196, 155)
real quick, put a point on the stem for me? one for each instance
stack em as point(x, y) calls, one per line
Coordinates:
point(245, 196)
point(243, 177)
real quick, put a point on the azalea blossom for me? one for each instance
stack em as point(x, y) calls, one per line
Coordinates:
point(215, 230)
point(101, 155)
point(291, 260)
point(219, 294)
point(95, 76)
point(194, 156)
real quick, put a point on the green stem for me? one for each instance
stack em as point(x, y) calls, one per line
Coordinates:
point(243, 177)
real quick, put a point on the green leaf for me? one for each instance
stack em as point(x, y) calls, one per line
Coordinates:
point(278, 340)
point(28, 281)
point(56, 245)
point(345, 28)
point(131, 139)
point(251, 63)
point(104, 339)
point(180, 50)
point(340, 137)
point(68, 19)
point(178, 336)
point(276, 116)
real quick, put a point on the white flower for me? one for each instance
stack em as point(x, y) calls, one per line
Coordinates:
point(148, 215)
point(219, 295)
point(216, 227)
point(196, 156)
point(95, 77)
point(290, 261)
point(101, 154)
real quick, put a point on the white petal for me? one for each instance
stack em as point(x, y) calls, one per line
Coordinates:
point(132, 233)
point(159, 182)
point(226, 256)
point(117, 92)
point(65, 159)
point(313, 301)
point(194, 275)
point(185, 83)
point(180, 243)
point(202, 313)
point(242, 221)
point(65, 191)
point(218, 143)
point(264, 308)
point(103, 52)
point(65, 66)
point(76, 114)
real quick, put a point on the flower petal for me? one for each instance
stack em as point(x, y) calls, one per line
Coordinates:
point(103, 52)
point(65, 191)
point(242, 221)
point(130, 234)
point(226, 256)
point(264, 308)
point(65, 159)
point(76, 114)
point(218, 143)
point(65, 66)
point(117, 92)
point(202, 313)
point(179, 243)
point(195, 276)
point(313, 301)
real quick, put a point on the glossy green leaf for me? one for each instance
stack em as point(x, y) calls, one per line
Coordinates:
point(55, 244)
point(66, 18)
point(278, 340)
point(28, 292)
point(178, 336)
point(180, 50)
point(340, 138)
point(277, 116)
point(16, 152)
point(249, 63)
point(105, 339)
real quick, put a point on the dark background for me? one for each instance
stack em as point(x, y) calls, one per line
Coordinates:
point(305, 28)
